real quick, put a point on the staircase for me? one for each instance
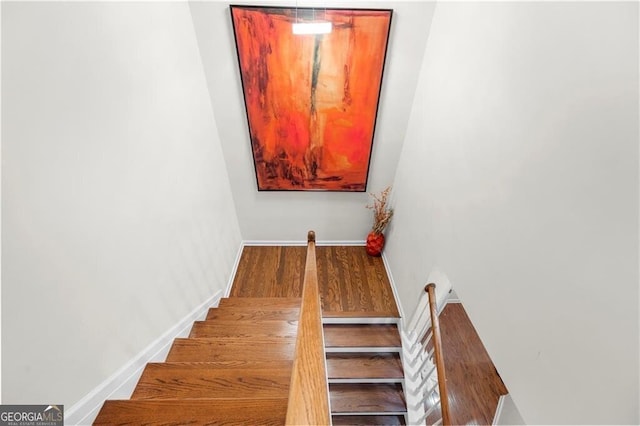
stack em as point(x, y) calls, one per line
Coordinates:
point(364, 369)
point(274, 361)
point(234, 368)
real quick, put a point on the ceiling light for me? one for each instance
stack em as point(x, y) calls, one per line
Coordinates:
point(312, 27)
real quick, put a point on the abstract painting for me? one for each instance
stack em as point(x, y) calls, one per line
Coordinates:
point(311, 100)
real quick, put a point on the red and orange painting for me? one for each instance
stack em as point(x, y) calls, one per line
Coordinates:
point(311, 100)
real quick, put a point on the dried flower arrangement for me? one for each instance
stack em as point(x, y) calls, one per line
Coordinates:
point(381, 213)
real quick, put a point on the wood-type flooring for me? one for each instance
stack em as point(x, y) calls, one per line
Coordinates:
point(350, 281)
point(353, 283)
point(474, 383)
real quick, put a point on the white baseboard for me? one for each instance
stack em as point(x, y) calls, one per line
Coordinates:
point(393, 288)
point(234, 269)
point(498, 412)
point(341, 243)
point(274, 243)
point(453, 297)
point(507, 413)
point(121, 384)
point(302, 243)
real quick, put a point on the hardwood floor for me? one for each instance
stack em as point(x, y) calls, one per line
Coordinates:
point(270, 271)
point(474, 384)
point(232, 370)
point(351, 283)
point(365, 374)
point(349, 280)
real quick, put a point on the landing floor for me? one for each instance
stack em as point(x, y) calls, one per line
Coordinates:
point(349, 280)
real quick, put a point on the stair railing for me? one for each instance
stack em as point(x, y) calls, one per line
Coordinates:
point(308, 392)
point(427, 396)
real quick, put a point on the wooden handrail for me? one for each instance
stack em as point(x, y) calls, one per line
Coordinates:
point(437, 345)
point(308, 392)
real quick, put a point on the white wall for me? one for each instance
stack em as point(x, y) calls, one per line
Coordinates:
point(519, 180)
point(0, 217)
point(507, 413)
point(289, 215)
point(117, 215)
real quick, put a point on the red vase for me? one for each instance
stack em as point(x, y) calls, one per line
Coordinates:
point(375, 243)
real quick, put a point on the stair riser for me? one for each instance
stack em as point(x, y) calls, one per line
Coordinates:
point(360, 320)
point(371, 420)
point(367, 380)
point(364, 349)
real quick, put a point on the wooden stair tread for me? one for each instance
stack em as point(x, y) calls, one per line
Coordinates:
point(196, 411)
point(242, 313)
point(364, 366)
point(201, 380)
point(366, 398)
point(368, 420)
point(360, 314)
point(250, 329)
point(258, 341)
point(235, 364)
point(207, 350)
point(261, 302)
point(361, 335)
